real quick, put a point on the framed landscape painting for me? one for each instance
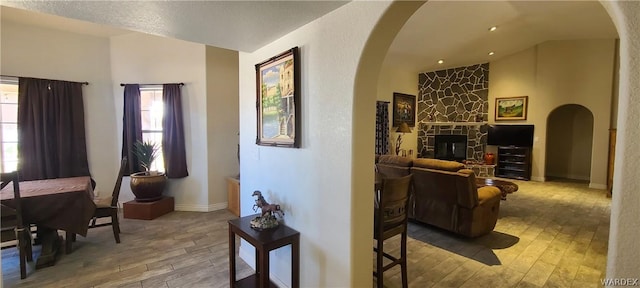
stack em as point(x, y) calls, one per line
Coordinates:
point(404, 107)
point(278, 100)
point(511, 108)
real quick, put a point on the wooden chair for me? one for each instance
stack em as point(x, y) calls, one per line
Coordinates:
point(390, 219)
point(108, 206)
point(13, 227)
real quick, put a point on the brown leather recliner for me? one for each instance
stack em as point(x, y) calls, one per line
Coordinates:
point(445, 195)
point(451, 200)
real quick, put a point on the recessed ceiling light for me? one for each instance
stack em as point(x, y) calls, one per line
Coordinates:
point(440, 61)
point(493, 28)
point(491, 53)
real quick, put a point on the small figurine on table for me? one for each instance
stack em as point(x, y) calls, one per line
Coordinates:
point(267, 218)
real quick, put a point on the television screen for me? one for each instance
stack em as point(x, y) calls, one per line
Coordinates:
point(510, 135)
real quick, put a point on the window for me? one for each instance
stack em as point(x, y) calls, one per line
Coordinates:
point(9, 125)
point(151, 112)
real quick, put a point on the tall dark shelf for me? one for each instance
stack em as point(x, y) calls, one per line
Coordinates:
point(514, 162)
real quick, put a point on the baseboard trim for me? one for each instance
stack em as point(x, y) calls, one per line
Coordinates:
point(570, 176)
point(598, 186)
point(538, 179)
point(201, 208)
point(250, 258)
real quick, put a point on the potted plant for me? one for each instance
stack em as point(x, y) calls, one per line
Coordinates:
point(147, 185)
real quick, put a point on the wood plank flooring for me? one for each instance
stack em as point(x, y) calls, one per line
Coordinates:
point(549, 234)
point(180, 249)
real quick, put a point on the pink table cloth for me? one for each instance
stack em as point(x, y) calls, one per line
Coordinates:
point(62, 203)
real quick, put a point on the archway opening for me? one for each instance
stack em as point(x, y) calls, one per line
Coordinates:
point(569, 143)
point(365, 76)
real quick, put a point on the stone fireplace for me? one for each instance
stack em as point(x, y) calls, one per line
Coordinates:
point(454, 102)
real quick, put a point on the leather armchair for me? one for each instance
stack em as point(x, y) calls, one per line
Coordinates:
point(452, 201)
point(445, 195)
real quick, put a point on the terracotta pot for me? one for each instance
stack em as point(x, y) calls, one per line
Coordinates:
point(489, 158)
point(148, 186)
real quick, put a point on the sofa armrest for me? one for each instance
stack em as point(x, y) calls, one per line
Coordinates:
point(487, 193)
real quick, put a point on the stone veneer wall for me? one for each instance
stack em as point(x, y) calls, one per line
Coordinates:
point(454, 95)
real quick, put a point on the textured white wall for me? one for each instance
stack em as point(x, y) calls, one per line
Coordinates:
point(51, 54)
point(401, 80)
point(623, 253)
point(222, 121)
point(365, 94)
point(313, 184)
point(141, 58)
point(577, 72)
point(553, 74)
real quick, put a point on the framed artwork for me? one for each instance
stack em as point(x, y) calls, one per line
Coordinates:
point(404, 109)
point(278, 100)
point(511, 108)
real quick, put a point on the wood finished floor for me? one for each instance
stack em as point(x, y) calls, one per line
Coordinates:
point(548, 235)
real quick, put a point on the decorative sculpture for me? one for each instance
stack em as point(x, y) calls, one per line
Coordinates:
point(267, 218)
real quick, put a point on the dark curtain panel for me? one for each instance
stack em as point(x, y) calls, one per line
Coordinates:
point(132, 126)
point(52, 141)
point(382, 127)
point(173, 147)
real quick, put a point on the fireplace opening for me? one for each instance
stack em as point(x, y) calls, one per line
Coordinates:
point(450, 147)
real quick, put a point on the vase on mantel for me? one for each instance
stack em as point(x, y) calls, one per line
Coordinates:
point(489, 158)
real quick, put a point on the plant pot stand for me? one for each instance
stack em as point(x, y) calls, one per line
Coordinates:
point(148, 210)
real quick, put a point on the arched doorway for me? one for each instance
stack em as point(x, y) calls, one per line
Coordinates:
point(620, 263)
point(569, 143)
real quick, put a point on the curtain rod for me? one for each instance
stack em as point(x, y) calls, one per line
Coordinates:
point(84, 83)
point(181, 84)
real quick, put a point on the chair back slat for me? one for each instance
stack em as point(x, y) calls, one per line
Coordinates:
point(116, 189)
point(394, 199)
point(22, 234)
point(12, 177)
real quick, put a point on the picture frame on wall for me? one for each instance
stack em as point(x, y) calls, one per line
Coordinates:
point(278, 100)
point(511, 108)
point(404, 109)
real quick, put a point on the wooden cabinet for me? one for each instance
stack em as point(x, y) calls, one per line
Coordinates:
point(612, 156)
point(233, 195)
point(514, 162)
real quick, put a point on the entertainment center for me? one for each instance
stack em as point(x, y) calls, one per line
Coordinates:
point(514, 162)
point(514, 150)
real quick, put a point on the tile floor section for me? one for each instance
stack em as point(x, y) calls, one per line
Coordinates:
point(548, 235)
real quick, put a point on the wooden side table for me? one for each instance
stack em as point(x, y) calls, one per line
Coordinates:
point(506, 187)
point(264, 241)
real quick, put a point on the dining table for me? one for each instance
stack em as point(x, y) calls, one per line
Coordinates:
point(54, 204)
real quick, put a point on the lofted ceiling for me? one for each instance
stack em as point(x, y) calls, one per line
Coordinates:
point(455, 31)
point(458, 31)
